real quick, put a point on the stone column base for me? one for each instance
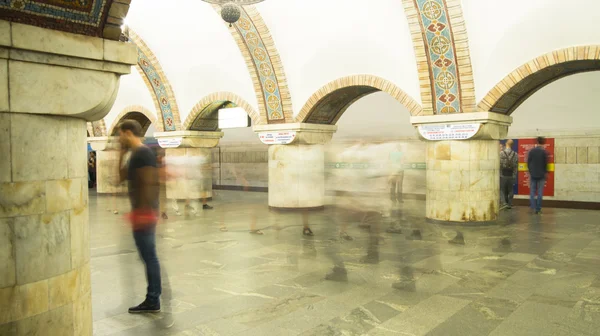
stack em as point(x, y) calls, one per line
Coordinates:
point(297, 169)
point(463, 180)
point(193, 169)
point(44, 232)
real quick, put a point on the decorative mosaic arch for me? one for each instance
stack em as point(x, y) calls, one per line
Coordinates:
point(328, 104)
point(135, 112)
point(523, 82)
point(98, 128)
point(158, 84)
point(264, 64)
point(202, 116)
point(99, 18)
point(90, 129)
point(442, 51)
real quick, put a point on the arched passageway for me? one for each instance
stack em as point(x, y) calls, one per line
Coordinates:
point(205, 115)
point(328, 104)
point(137, 113)
point(523, 82)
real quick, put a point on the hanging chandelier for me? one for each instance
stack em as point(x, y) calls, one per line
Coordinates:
point(230, 9)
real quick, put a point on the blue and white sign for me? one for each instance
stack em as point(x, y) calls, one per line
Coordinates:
point(277, 138)
point(170, 142)
point(449, 132)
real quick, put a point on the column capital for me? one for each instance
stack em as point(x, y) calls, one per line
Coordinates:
point(56, 73)
point(462, 126)
point(300, 133)
point(188, 139)
point(101, 143)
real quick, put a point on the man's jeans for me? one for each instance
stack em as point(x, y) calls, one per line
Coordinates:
point(145, 240)
point(507, 184)
point(536, 186)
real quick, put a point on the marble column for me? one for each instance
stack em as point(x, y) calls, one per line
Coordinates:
point(107, 162)
point(51, 83)
point(297, 168)
point(463, 175)
point(189, 155)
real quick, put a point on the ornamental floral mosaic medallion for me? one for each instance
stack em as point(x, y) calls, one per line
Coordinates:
point(441, 55)
point(262, 62)
point(76, 16)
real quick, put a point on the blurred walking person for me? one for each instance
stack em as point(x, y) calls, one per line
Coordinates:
point(142, 177)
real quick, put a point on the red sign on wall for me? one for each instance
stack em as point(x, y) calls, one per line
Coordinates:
point(523, 148)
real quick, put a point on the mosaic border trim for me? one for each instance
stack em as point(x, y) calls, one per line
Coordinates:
point(99, 128)
point(50, 16)
point(159, 90)
point(157, 83)
point(441, 55)
point(271, 93)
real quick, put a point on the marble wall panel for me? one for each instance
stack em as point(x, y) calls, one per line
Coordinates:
point(80, 236)
point(5, 163)
point(192, 168)
point(55, 42)
point(560, 155)
point(56, 83)
point(76, 148)
point(593, 155)
point(296, 176)
point(42, 246)
point(22, 198)
point(4, 85)
point(7, 256)
point(21, 302)
point(107, 173)
point(36, 142)
point(62, 195)
point(58, 321)
point(582, 155)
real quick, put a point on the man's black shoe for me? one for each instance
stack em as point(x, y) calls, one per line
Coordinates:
point(207, 207)
point(145, 307)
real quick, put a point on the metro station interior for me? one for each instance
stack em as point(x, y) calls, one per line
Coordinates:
point(287, 167)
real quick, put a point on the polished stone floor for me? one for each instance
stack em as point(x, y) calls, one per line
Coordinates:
point(528, 275)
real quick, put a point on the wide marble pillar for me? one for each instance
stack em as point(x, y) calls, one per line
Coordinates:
point(188, 154)
point(463, 165)
point(51, 83)
point(296, 164)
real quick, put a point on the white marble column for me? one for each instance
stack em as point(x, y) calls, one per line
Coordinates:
point(297, 169)
point(47, 94)
point(107, 162)
point(463, 175)
point(189, 156)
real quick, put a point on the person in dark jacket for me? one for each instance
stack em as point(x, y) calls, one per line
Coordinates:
point(537, 164)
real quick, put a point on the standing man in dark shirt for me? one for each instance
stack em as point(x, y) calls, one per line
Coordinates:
point(509, 164)
point(142, 177)
point(537, 164)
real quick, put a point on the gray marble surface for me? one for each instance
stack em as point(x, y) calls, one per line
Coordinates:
point(528, 275)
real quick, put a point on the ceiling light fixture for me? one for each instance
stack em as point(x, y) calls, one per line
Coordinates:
point(230, 9)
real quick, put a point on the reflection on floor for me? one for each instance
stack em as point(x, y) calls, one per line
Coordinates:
point(531, 275)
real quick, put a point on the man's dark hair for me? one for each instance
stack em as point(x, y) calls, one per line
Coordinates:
point(133, 126)
point(541, 140)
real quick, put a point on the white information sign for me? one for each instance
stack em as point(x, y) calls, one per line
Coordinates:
point(277, 138)
point(170, 142)
point(449, 132)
